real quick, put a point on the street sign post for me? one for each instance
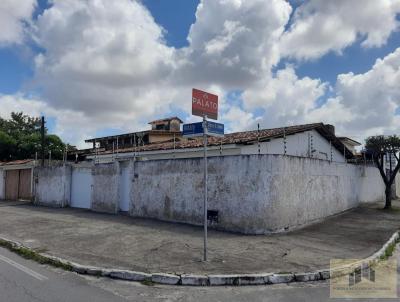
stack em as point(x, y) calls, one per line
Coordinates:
point(205, 104)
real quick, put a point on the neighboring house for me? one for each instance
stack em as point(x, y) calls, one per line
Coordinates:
point(316, 140)
point(351, 144)
point(16, 179)
point(161, 131)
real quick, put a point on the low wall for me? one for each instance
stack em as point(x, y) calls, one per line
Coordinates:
point(52, 185)
point(253, 194)
point(372, 187)
point(2, 184)
point(105, 196)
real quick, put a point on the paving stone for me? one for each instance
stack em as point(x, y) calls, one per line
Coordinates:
point(77, 268)
point(325, 275)
point(254, 279)
point(93, 271)
point(165, 279)
point(197, 280)
point(129, 275)
point(223, 279)
point(305, 277)
point(280, 278)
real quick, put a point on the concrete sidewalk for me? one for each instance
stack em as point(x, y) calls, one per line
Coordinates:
point(152, 246)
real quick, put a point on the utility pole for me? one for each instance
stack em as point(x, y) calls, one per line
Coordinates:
point(42, 140)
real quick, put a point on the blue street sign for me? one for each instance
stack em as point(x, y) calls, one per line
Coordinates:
point(215, 129)
point(196, 129)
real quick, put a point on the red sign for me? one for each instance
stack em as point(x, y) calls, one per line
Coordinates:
point(204, 103)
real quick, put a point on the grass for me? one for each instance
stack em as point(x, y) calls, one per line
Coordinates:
point(390, 249)
point(34, 255)
point(147, 282)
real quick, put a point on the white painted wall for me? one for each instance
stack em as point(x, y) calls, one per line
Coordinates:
point(105, 190)
point(397, 185)
point(298, 144)
point(2, 184)
point(253, 194)
point(52, 185)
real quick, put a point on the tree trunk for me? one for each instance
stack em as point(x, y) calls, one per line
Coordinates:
point(388, 193)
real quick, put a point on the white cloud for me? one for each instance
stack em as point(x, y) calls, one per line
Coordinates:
point(101, 55)
point(13, 16)
point(366, 103)
point(321, 26)
point(108, 61)
point(238, 119)
point(233, 42)
point(285, 98)
point(105, 64)
point(71, 125)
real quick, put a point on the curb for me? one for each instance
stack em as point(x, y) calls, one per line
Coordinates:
point(195, 280)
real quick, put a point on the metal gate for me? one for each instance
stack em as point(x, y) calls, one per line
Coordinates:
point(81, 188)
point(18, 184)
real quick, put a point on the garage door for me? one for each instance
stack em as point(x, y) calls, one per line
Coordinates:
point(81, 188)
point(12, 183)
point(18, 184)
point(24, 186)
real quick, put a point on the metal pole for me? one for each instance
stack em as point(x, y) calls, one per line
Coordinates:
point(113, 150)
point(134, 152)
point(205, 185)
point(117, 146)
point(42, 140)
point(174, 146)
point(284, 141)
point(258, 138)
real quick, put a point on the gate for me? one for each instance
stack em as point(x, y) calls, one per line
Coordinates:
point(81, 188)
point(124, 188)
point(18, 184)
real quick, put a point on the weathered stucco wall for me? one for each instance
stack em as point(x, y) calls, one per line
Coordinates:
point(372, 187)
point(304, 144)
point(52, 185)
point(105, 196)
point(2, 184)
point(252, 194)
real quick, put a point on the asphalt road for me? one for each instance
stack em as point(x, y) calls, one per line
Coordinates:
point(23, 280)
point(26, 281)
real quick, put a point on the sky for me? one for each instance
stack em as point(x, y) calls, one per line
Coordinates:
point(100, 67)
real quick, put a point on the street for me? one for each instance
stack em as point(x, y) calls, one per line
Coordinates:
point(23, 280)
point(26, 281)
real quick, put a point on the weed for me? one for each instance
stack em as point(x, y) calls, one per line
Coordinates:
point(35, 256)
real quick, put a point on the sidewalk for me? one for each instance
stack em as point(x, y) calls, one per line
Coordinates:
point(152, 246)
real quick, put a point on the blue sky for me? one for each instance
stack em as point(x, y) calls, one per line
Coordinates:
point(308, 69)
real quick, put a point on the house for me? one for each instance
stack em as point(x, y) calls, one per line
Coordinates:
point(161, 130)
point(16, 181)
point(164, 141)
point(351, 144)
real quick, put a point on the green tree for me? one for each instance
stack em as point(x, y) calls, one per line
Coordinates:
point(7, 145)
point(20, 138)
point(378, 147)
